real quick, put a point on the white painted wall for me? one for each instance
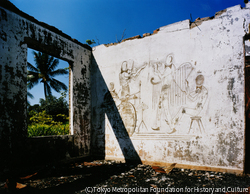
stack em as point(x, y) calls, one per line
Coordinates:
point(169, 117)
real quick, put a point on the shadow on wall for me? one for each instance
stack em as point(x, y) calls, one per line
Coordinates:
point(105, 105)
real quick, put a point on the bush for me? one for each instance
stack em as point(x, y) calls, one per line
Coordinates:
point(42, 124)
point(54, 106)
point(45, 130)
point(41, 118)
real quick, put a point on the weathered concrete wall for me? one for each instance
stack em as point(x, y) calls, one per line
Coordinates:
point(18, 31)
point(179, 93)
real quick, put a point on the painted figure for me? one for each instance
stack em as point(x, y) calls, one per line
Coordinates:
point(128, 72)
point(126, 108)
point(163, 109)
point(198, 97)
point(164, 73)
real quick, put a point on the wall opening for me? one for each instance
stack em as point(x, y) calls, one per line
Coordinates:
point(47, 115)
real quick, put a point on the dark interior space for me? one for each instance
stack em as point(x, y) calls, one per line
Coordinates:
point(247, 115)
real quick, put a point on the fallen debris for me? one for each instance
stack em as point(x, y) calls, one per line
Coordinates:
point(107, 175)
point(168, 169)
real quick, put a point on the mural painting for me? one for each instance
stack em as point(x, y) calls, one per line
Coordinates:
point(172, 97)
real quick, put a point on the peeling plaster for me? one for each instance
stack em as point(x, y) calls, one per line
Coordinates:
point(19, 32)
point(137, 79)
point(121, 105)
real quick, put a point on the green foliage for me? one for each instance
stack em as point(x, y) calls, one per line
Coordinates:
point(45, 130)
point(42, 124)
point(32, 110)
point(64, 94)
point(61, 118)
point(90, 42)
point(42, 118)
point(54, 107)
point(50, 117)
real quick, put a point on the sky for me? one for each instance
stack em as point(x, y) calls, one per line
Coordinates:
point(105, 20)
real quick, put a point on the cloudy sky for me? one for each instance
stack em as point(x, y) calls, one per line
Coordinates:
point(106, 20)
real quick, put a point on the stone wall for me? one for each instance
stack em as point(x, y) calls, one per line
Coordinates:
point(18, 32)
point(176, 96)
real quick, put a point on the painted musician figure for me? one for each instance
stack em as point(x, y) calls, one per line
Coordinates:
point(128, 72)
point(164, 72)
point(197, 97)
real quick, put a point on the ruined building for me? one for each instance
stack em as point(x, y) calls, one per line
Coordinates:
point(179, 95)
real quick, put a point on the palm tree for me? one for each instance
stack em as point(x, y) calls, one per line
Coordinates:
point(44, 71)
point(29, 95)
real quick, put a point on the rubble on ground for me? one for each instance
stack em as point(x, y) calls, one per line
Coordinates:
point(111, 176)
